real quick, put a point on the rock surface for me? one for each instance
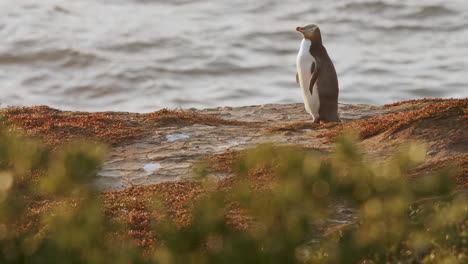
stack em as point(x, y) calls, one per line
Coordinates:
point(168, 154)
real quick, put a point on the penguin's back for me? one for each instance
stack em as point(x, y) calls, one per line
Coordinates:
point(328, 88)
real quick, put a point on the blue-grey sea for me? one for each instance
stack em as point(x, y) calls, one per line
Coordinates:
point(143, 55)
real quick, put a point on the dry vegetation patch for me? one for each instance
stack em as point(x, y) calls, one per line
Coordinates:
point(440, 123)
point(135, 207)
point(56, 127)
point(224, 162)
point(166, 117)
point(454, 165)
point(415, 103)
point(139, 210)
point(394, 122)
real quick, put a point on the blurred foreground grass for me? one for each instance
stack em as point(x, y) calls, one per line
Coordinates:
point(400, 221)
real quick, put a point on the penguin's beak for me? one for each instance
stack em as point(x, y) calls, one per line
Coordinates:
point(300, 29)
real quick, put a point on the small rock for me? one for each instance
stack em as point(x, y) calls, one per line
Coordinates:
point(346, 211)
point(152, 167)
point(338, 221)
point(175, 137)
point(432, 152)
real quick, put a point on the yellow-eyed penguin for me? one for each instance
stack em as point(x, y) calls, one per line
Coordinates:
point(317, 76)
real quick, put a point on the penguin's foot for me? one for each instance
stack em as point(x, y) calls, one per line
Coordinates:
point(330, 121)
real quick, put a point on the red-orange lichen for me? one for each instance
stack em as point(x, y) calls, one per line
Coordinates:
point(224, 162)
point(133, 207)
point(416, 101)
point(393, 122)
point(462, 175)
point(165, 117)
point(454, 165)
point(56, 126)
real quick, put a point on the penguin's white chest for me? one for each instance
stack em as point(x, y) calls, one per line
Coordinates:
point(304, 69)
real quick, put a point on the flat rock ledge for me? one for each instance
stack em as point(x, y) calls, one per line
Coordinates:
point(169, 153)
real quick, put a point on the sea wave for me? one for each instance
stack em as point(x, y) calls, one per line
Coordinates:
point(141, 55)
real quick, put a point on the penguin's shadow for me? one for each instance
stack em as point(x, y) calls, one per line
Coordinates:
point(298, 126)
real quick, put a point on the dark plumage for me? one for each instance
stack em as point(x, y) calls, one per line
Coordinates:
point(323, 76)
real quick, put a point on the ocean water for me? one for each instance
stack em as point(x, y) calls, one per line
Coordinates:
point(143, 55)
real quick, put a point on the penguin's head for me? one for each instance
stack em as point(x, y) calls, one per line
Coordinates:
point(310, 31)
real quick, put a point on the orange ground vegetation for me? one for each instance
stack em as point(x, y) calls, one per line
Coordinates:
point(56, 127)
point(138, 208)
point(133, 207)
point(393, 122)
point(224, 162)
point(167, 117)
point(457, 166)
point(416, 102)
point(462, 176)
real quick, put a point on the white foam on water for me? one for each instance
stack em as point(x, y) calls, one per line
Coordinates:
point(175, 137)
point(152, 167)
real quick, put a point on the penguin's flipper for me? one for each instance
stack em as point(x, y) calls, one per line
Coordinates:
point(297, 77)
point(315, 68)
